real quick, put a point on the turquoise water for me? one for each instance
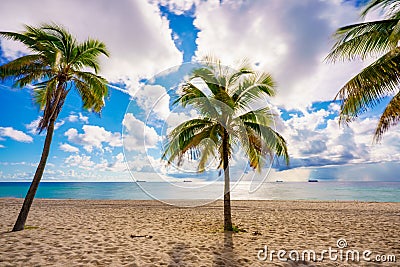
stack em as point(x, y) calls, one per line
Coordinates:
point(361, 191)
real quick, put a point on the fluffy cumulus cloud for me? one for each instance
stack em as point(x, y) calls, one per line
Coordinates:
point(154, 100)
point(289, 39)
point(94, 137)
point(117, 165)
point(134, 31)
point(177, 6)
point(175, 118)
point(68, 148)
point(315, 139)
point(81, 161)
point(78, 118)
point(137, 135)
point(15, 134)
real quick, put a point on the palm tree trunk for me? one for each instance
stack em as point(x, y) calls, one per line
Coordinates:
point(227, 193)
point(23, 214)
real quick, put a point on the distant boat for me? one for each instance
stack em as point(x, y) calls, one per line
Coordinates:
point(312, 180)
point(187, 181)
point(140, 181)
point(278, 181)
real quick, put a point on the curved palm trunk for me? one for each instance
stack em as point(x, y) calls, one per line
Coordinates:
point(23, 214)
point(227, 193)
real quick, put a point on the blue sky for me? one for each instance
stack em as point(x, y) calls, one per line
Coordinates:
point(146, 39)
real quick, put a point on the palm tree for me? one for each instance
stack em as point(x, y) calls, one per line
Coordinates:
point(57, 64)
point(380, 79)
point(225, 119)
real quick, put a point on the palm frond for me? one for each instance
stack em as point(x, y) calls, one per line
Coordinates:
point(208, 146)
point(97, 83)
point(391, 6)
point(31, 77)
point(262, 116)
point(186, 136)
point(363, 40)
point(62, 40)
point(195, 97)
point(390, 117)
point(22, 65)
point(272, 139)
point(216, 82)
point(257, 150)
point(365, 90)
point(92, 90)
point(252, 88)
point(234, 77)
point(20, 37)
point(86, 54)
point(43, 91)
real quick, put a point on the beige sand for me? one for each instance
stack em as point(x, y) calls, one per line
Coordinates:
point(98, 233)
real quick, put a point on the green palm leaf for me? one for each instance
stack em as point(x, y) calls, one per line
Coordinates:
point(381, 78)
point(390, 117)
point(367, 88)
point(391, 6)
point(364, 39)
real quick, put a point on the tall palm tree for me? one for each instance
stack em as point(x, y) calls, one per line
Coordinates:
point(226, 119)
point(57, 64)
point(380, 79)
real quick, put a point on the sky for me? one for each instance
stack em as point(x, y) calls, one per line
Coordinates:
point(148, 42)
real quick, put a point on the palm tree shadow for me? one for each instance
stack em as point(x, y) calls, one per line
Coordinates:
point(177, 254)
point(226, 256)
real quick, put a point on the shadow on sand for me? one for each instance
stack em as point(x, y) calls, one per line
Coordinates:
point(225, 256)
point(177, 254)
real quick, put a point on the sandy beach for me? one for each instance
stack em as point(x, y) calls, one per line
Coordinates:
point(150, 233)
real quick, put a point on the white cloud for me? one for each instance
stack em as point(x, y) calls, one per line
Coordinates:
point(154, 100)
point(118, 164)
point(75, 118)
point(93, 137)
point(15, 134)
point(176, 118)
point(68, 148)
point(137, 135)
point(72, 118)
point(178, 6)
point(81, 161)
point(316, 139)
point(289, 39)
point(58, 124)
point(311, 142)
point(134, 31)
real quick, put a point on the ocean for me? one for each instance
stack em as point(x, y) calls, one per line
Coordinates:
point(323, 190)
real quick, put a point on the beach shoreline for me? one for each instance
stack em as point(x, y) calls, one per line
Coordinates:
point(152, 233)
